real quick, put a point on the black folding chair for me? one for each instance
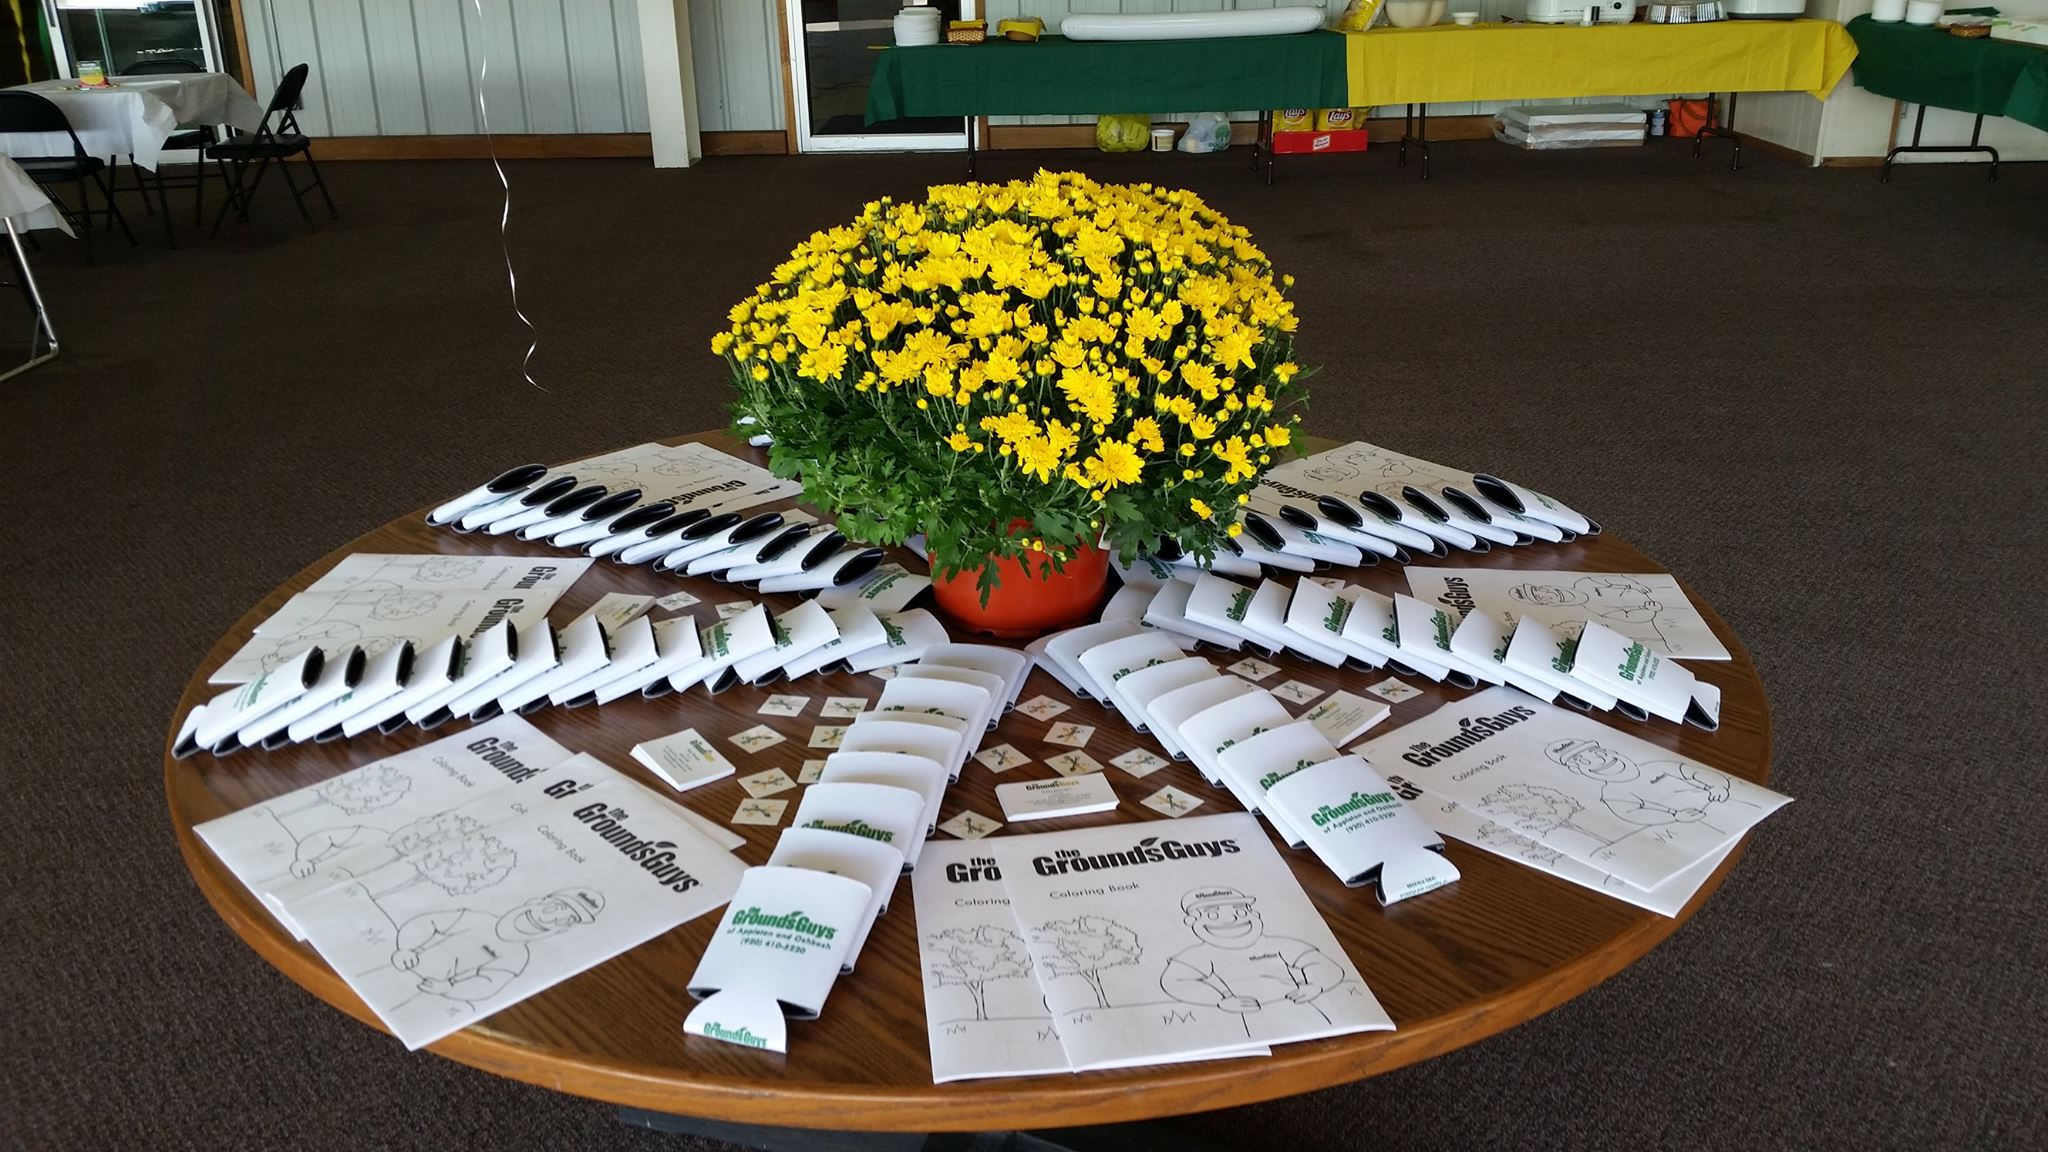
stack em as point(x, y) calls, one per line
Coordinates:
point(29, 112)
point(188, 137)
point(265, 145)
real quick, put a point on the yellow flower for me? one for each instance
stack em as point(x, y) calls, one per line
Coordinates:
point(1278, 436)
point(1234, 530)
point(1201, 427)
point(822, 364)
point(1145, 431)
point(1201, 509)
point(1002, 368)
point(720, 341)
point(1114, 463)
point(1285, 372)
point(1235, 348)
point(1090, 393)
point(1200, 377)
point(759, 372)
point(959, 442)
point(1237, 455)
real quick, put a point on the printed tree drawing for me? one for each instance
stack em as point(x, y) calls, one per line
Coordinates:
point(433, 831)
point(1534, 810)
point(970, 957)
point(459, 868)
point(1084, 946)
point(357, 793)
point(1508, 840)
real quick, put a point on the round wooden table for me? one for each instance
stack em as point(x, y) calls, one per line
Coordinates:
point(1454, 966)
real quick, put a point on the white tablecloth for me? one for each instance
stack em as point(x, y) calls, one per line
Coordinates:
point(136, 116)
point(25, 204)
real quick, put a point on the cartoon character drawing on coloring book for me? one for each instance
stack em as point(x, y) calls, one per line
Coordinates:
point(1626, 605)
point(1271, 982)
point(468, 955)
point(1650, 795)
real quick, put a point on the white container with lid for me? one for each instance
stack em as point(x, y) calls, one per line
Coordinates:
point(1924, 11)
point(1888, 11)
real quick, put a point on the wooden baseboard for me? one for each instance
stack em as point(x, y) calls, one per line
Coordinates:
point(766, 143)
point(1782, 152)
point(1853, 162)
point(534, 147)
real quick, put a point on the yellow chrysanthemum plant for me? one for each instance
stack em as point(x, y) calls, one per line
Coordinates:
point(1091, 361)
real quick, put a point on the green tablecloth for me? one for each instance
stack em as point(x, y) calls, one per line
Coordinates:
point(1924, 65)
point(1056, 76)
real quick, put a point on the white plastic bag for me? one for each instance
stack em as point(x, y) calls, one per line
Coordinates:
point(1207, 132)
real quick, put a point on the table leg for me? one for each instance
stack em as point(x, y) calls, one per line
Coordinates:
point(970, 145)
point(43, 340)
point(1920, 121)
point(1414, 130)
point(1725, 129)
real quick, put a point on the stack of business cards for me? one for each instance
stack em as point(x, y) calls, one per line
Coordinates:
point(1061, 796)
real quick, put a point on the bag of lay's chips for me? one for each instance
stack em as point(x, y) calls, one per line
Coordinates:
point(1339, 119)
point(1294, 120)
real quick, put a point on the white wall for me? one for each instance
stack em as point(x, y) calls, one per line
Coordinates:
point(408, 67)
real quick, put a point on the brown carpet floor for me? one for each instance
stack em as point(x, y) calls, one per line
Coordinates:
point(1819, 398)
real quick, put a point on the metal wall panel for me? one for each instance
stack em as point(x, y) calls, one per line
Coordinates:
point(408, 67)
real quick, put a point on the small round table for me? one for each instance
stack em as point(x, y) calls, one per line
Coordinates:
point(1500, 946)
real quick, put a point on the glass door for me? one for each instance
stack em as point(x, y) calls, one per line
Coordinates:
point(831, 63)
point(119, 34)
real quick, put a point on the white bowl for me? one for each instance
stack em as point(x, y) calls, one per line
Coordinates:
point(1464, 19)
point(1415, 13)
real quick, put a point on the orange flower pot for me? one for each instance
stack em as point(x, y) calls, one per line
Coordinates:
point(1029, 599)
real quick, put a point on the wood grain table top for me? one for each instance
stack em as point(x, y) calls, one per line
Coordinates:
point(1496, 948)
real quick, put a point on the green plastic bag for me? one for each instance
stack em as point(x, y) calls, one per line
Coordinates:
point(1123, 133)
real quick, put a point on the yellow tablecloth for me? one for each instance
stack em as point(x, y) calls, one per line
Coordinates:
point(1448, 63)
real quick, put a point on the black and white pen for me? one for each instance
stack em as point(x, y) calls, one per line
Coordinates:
point(651, 541)
point(594, 513)
point(575, 501)
point(696, 545)
point(543, 493)
point(506, 483)
point(612, 525)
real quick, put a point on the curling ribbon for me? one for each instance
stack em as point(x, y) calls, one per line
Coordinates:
point(505, 217)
